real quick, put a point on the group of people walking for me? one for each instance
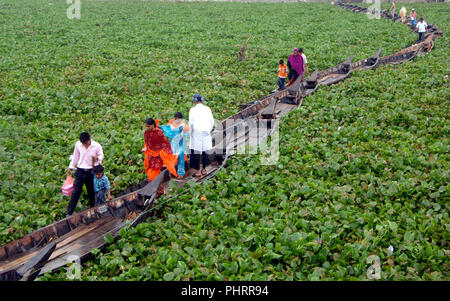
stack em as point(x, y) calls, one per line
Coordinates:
point(297, 65)
point(164, 145)
point(418, 25)
point(160, 151)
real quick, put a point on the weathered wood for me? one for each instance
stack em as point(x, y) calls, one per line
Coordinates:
point(335, 74)
point(29, 269)
point(78, 234)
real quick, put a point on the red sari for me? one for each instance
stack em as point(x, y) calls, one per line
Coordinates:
point(158, 153)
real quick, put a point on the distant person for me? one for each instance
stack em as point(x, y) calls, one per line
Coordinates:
point(413, 16)
point(87, 153)
point(421, 28)
point(201, 123)
point(295, 65)
point(158, 151)
point(305, 62)
point(178, 131)
point(393, 9)
point(403, 14)
point(101, 186)
point(282, 74)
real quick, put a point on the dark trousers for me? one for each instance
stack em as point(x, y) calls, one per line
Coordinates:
point(293, 74)
point(281, 83)
point(421, 35)
point(195, 159)
point(82, 177)
point(100, 196)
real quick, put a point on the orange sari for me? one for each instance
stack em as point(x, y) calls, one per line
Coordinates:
point(158, 153)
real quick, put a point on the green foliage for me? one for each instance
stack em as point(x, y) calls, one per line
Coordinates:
point(363, 164)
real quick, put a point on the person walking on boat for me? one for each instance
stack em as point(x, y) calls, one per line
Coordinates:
point(201, 123)
point(295, 65)
point(158, 151)
point(421, 28)
point(393, 9)
point(177, 130)
point(305, 62)
point(87, 153)
point(282, 74)
point(403, 14)
point(413, 16)
point(101, 186)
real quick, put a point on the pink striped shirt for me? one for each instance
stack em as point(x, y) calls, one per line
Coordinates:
point(82, 157)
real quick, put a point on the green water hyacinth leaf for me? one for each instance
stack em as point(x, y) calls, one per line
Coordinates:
point(363, 164)
point(109, 239)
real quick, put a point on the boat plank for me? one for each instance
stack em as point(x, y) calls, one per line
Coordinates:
point(61, 242)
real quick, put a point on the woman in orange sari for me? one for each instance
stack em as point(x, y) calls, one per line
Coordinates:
point(157, 151)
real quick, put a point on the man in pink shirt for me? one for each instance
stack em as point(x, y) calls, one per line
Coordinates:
point(86, 151)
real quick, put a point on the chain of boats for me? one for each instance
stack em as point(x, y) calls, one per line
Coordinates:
point(52, 247)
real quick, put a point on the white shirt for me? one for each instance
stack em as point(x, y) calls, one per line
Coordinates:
point(201, 122)
point(82, 157)
point(422, 26)
point(304, 59)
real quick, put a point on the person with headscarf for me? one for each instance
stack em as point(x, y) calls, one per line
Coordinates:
point(295, 65)
point(201, 123)
point(177, 130)
point(393, 9)
point(403, 13)
point(158, 151)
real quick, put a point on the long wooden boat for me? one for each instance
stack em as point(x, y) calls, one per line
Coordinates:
point(77, 235)
point(335, 74)
point(51, 247)
point(409, 53)
point(368, 63)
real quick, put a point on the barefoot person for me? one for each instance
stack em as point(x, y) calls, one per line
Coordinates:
point(87, 153)
point(201, 123)
point(157, 151)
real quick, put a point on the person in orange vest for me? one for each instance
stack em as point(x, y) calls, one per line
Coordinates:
point(282, 74)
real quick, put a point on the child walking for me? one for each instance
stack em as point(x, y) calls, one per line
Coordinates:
point(101, 186)
point(282, 74)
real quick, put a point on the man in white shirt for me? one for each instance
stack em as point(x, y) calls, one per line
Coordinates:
point(305, 62)
point(201, 123)
point(421, 28)
point(86, 153)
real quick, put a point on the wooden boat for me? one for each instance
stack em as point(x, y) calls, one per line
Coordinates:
point(368, 63)
point(336, 73)
point(77, 235)
point(235, 131)
point(409, 53)
point(398, 57)
point(49, 248)
point(310, 84)
point(433, 29)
